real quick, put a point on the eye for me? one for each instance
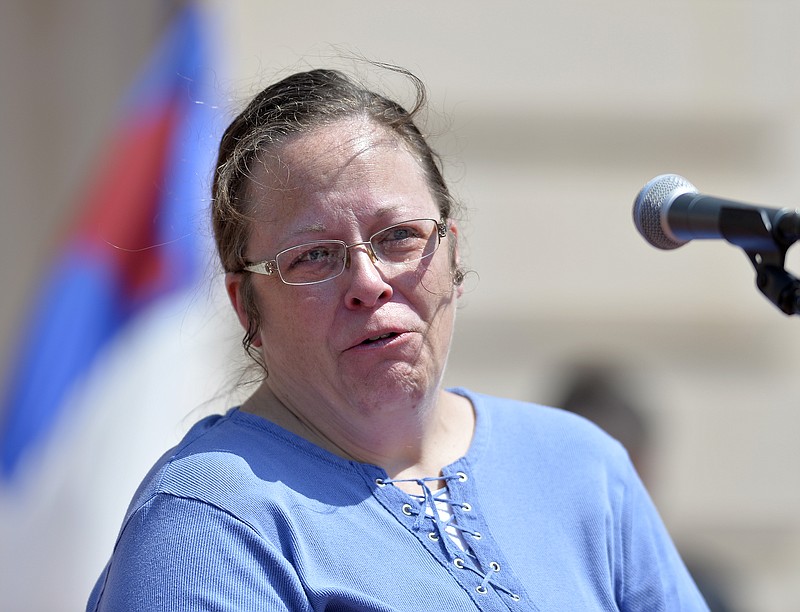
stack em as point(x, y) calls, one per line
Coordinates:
point(402, 232)
point(400, 236)
point(311, 255)
point(406, 242)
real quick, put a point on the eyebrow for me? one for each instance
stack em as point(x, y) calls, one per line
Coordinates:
point(311, 228)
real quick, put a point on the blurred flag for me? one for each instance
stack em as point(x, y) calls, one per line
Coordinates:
point(139, 237)
point(122, 348)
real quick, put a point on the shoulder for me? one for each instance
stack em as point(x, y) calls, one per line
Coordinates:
point(175, 553)
point(197, 463)
point(218, 504)
point(546, 441)
point(528, 422)
point(240, 464)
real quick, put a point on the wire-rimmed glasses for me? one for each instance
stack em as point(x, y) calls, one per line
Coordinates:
point(323, 260)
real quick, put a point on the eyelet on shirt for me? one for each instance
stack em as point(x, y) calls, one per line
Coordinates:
point(515, 597)
point(459, 563)
point(379, 482)
point(495, 566)
point(462, 477)
point(477, 535)
point(433, 536)
point(481, 589)
point(466, 507)
point(407, 510)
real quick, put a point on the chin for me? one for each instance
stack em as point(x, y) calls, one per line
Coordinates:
point(398, 386)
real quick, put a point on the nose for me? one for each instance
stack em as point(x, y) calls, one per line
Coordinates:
point(367, 247)
point(367, 286)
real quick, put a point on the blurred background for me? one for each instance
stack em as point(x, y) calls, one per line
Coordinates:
point(550, 116)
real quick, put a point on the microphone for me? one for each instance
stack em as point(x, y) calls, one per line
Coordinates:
point(669, 212)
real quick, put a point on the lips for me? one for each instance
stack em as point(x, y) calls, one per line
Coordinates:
point(378, 338)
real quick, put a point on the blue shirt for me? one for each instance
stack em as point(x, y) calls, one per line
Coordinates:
point(246, 516)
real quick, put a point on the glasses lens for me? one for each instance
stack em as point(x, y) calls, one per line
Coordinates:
point(312, 262)
point(405, 242)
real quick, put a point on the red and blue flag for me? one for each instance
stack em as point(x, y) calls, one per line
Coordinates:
point(140, 235)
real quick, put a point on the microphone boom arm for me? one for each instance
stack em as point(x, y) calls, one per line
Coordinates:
point(766, 250)
point(780, 287)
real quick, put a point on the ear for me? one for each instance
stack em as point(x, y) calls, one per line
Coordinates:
point(455, 258)
point(234, 283)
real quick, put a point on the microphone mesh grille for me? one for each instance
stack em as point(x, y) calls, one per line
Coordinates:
point(648, 205)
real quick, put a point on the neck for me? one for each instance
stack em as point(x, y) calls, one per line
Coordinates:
point(406, 443)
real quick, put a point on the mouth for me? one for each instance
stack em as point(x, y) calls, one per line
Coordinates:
point(381, 338)
point(378, 339)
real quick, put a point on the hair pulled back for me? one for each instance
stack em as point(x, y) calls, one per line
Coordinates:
point(295, 105)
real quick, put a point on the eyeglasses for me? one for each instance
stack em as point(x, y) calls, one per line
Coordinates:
point(322, 260)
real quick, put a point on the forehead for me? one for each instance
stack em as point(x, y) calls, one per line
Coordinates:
point(349, 163)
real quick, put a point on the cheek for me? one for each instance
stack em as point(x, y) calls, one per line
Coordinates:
point(291, 323)
point(433, 296)
point(436, 279)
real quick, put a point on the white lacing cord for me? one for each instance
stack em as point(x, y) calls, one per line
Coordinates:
point(428, 508)
point(431, 506)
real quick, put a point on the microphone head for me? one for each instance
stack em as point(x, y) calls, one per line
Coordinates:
point(651, 205)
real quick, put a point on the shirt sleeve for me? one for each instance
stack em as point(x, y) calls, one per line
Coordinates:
point(176, 555)
point(652, 574)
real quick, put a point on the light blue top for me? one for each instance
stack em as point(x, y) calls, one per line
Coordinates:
point(246, 516)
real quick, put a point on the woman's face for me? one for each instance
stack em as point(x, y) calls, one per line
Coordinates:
point(376, 337)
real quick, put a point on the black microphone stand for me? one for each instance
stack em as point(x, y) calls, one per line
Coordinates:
point(765, 239)
point(780, 287)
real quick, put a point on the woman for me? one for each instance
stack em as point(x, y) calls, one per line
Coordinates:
point(350, 480)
